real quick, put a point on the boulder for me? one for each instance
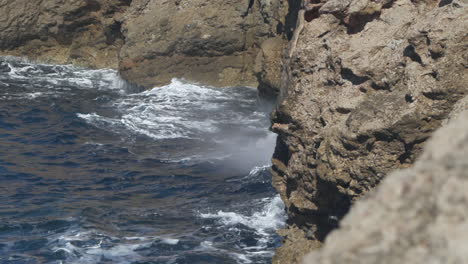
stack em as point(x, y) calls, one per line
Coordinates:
point(416, 215)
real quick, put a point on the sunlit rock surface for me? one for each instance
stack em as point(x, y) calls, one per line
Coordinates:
point(416, 215)
point(210, 41)
point(85, 33)
point(366, 85)
point(213, 42)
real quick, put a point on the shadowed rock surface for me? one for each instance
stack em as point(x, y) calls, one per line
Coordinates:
point(81, 32)
point(366, 85)
point(416, 215)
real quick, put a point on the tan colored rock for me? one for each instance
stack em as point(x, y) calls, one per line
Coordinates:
point(417, 215)
point(364, 89)
point(82, 32)
point(459, 107)
point(152, 41)
point(269, 66)
point(296, 243)
point(210, 41)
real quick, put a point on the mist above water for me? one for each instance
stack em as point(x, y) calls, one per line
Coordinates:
point(221, 119)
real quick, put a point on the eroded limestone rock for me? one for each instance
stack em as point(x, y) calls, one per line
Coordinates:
point(367, 83)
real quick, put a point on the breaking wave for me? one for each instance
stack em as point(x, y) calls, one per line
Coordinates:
point(178, 110)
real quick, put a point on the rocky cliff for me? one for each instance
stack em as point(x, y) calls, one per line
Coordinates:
point(365, 85)
point(220, 43)
point(82, 32)
point(417, 215)
point(213, 42)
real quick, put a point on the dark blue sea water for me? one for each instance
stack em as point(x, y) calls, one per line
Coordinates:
point(93, 170)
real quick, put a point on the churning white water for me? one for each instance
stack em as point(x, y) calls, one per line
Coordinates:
point(95, 170)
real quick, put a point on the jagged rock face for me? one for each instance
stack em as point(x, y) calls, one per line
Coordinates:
point(367, 83)
point(215, 42)
point(83, 32)
point(210, 41)
point(416, 215)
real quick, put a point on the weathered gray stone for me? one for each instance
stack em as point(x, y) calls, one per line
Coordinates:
point(416, 215)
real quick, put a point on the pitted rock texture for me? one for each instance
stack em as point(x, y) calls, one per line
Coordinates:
point(82, 32)
point(367, 83)
point(417, 215)
point(210, 41)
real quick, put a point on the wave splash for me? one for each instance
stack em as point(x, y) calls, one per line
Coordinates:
point(179, 110)
point(55, 80)
point(268, 216)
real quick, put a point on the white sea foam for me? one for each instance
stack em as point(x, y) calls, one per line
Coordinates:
point(170, 241)
point(61, 77)
point(264, 222)
point(97, 246)
point(177, 110)
point(257, 170)
point(270, 218)
point(99, 120)
point(208, 246)
point(35, 95)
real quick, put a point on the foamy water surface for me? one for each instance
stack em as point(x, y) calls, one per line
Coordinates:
point(95, 170)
